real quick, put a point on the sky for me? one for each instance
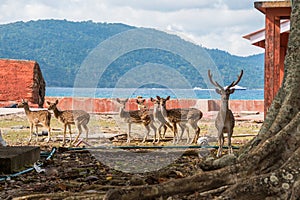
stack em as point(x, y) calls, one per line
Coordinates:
point(215, 24)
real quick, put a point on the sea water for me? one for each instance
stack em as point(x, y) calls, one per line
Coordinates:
point(196, 93)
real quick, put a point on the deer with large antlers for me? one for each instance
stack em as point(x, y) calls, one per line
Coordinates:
point(225, 120)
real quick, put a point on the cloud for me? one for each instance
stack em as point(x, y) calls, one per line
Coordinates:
point(161, 5)
point(213, 24)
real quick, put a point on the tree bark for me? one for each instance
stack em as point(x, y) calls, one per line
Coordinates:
point(268, 166)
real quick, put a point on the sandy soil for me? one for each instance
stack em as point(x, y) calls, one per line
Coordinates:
point(76, 172)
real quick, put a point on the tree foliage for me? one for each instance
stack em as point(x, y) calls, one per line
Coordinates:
point(60, 46)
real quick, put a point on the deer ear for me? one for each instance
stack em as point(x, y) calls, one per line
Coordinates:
point(168, 98)
point(158, 97)
point(231, 91)
point(56, 102)
point(218, 91)
point(48, 102)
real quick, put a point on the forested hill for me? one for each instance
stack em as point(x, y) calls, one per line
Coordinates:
point(60, 47)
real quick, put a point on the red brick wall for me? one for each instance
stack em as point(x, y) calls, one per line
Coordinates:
point(20, 79)
point(101, 105)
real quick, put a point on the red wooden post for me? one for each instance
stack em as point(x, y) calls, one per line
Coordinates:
point(272, 57)
point(275, 49)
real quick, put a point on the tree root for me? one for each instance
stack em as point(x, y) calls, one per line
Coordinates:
point(252, 175)
point(201, 183)
point(64, 195)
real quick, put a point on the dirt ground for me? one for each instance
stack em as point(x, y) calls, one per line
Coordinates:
point(78, 171)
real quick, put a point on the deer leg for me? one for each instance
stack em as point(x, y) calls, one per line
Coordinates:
point(230, 151)
point(165, 130)
point(160, 125)
point(30, 134)
point(70, 132)
point(86, 131)
point(64, 137)
point(37, 133)
point(197, 131)
point(187, 135)
point(175, 138)
point(147, 133)
point(79, 132)
point(49, 129)
point(221, 143)
point(166, 125)
point(183, 128)
point(128, 133)
point(154, 129)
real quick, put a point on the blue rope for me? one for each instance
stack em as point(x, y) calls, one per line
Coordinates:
point(29, 169)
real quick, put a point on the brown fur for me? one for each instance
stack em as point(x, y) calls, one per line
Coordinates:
point(36, 118)
point(79, 118)
point(182, 117)
point(144, 117)
point(225, 120)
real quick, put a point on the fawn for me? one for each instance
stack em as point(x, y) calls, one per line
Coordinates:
point(70, 117)
point(36, 118)
point(182, 117)
point(157, 117)
point(137, 116)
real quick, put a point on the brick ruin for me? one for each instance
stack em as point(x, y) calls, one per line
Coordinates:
point(21, 79)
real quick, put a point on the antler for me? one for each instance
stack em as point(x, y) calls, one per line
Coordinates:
point(215, 83)
point(234, 83)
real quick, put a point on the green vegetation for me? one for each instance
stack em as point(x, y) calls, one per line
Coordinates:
point(60, 46)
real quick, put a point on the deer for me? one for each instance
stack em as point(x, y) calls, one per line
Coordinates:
point(2, 141)
point(79, 118)
point(182, 117)
point(36, 118)
point(143, 117)
point(225, 121)
point(157, 117)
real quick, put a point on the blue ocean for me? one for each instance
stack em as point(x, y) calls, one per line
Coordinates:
point(196, 93)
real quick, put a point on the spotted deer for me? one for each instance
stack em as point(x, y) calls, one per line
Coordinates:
point(79, 118)
point(182, 117)
point(2, 141)
point(143, 117)
point(36, 118)
point(157, 116)
point(225, 120)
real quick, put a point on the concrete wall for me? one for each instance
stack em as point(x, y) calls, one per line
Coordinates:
point(103, 105)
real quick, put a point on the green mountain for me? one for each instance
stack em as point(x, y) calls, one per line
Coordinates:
point(61, 47)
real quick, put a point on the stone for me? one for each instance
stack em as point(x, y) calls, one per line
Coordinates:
point(16, 158)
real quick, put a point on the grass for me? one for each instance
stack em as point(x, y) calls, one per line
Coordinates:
point(15, 128)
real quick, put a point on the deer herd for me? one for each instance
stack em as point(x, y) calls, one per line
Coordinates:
point(157, 118)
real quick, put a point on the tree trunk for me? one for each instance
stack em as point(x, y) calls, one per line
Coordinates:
point(268, 166)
